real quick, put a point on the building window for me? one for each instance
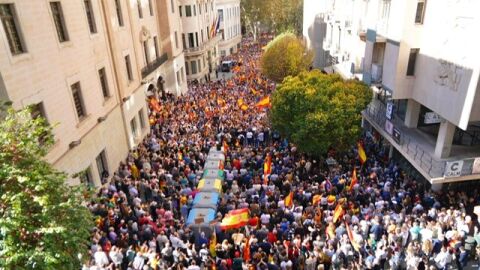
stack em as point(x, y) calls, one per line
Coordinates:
point(184, 43)
point(59, 21)
point(176, 40)
point(139, 7)
point(178, 77)
point(183, 74)
point(412, 59)
point(196, 38)
point(133, 126)
point(202, 34)
point(186, 68)
point(141, 118)
point(78, 100)
point(188, 11)
point(104, 82)
point(180, 10)
point(206, 8)
point(199, 9)
point(12, 29)
point(194, 10)
point(155, 43)
point(208, 32)
point(199, 65)
point(102, 165)
point(420, 11)
point(194, 67)
point(90, 16)
point(172, 4)
point(129, 68)
point(145, 51)
point(150, 7)
point(191, 40)
point(118, 7)
point(86, 177)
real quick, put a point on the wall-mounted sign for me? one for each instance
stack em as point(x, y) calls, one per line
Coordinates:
point(396, 135)
point(432, 118)
point(389, 127)
point(476, 166)
point(453, 168)
point(389, 111)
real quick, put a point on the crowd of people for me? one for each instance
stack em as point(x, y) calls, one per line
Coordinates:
point(389, 220)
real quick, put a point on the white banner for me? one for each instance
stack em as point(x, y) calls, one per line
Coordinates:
point(453, 168)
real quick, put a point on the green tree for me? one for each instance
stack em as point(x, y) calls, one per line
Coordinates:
point(43, 224)
point(284, 56)
point(316, 111)
point(276, 15)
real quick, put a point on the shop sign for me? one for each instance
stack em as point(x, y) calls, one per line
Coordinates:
point(432, 118)
point(453, 168)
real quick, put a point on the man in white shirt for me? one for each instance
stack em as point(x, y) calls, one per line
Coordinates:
point(443, 259)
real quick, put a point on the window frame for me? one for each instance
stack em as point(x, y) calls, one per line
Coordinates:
point(118, 9)
point(92, 25)
point(128, 65)
point(59, 21)
point(193, 65)
point(155, 45)
point(102, 73)
point(16, 36)
point(150, 7)
point(188, 11)
point(141, 119)
point(140, 9)
point(422, 15)
point(133, 127)
point(102, 159)
point(78, 91)
point(412, 61)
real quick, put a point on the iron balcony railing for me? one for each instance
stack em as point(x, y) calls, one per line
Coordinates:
point(152, 66)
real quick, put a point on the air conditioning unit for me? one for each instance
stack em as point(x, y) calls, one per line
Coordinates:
point(376, 73)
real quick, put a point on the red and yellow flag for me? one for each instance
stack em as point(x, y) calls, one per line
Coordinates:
point(355, 245)
point(361, 153)
point(264, 103)
point(246, 250)
point(213, 244)
point(155, 105)
point(267, 165)
point(235, 219)
point(338, 212)
point(354, 180)
point(244, 107)
point(316, 199)
point(289, 199)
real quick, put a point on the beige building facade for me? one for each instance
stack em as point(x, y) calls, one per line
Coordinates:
point(230, 28)
point(199, 37)
point(87, 67)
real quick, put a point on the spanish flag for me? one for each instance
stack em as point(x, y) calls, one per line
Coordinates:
point(244, 107)
point(355, 245)
point(354, 180)
point(246, 250)
point(267, 165)
point(235, 219)
point(361, 153)
point(289, 199)
point(213, 244)
point(316, 199)
point(264, 103)
point(240, 102)
point(338, 212)
point(155, 105)
point(330, 230)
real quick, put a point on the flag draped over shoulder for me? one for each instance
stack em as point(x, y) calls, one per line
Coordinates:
point(235, 219)
point(361, 153)
point(355, 245)
point(263, 103)
point(213, 244)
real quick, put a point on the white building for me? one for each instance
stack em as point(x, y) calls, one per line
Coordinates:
point(87, 67)
point(199, 38)
point(230, 27)
point(422, 60)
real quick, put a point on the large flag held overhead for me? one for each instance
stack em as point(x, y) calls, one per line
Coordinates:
point(361, 153)
point(235, 219)
point(264, 103)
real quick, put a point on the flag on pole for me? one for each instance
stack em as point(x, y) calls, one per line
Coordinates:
point(235, 219)
point(354, 180)
point(289, 199)
point(264, 103)
point(355, 245)
point(361, 153)
point(213, 244)
point(338, 212)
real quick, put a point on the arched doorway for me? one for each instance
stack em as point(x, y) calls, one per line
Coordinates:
point(161, 88)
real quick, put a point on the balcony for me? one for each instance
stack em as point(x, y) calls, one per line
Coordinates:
point(418, 148)
point(152, 66)
point(203, 47)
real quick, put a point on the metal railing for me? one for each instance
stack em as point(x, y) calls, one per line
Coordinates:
point(434, 168)
point(203, 46)
point(152, 66)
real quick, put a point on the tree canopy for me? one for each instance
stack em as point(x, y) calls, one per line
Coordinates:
point(277, 15)
point(286, 55)
point(317, 111)
point(43, 224)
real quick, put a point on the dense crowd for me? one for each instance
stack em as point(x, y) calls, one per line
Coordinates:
point(395, 221)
